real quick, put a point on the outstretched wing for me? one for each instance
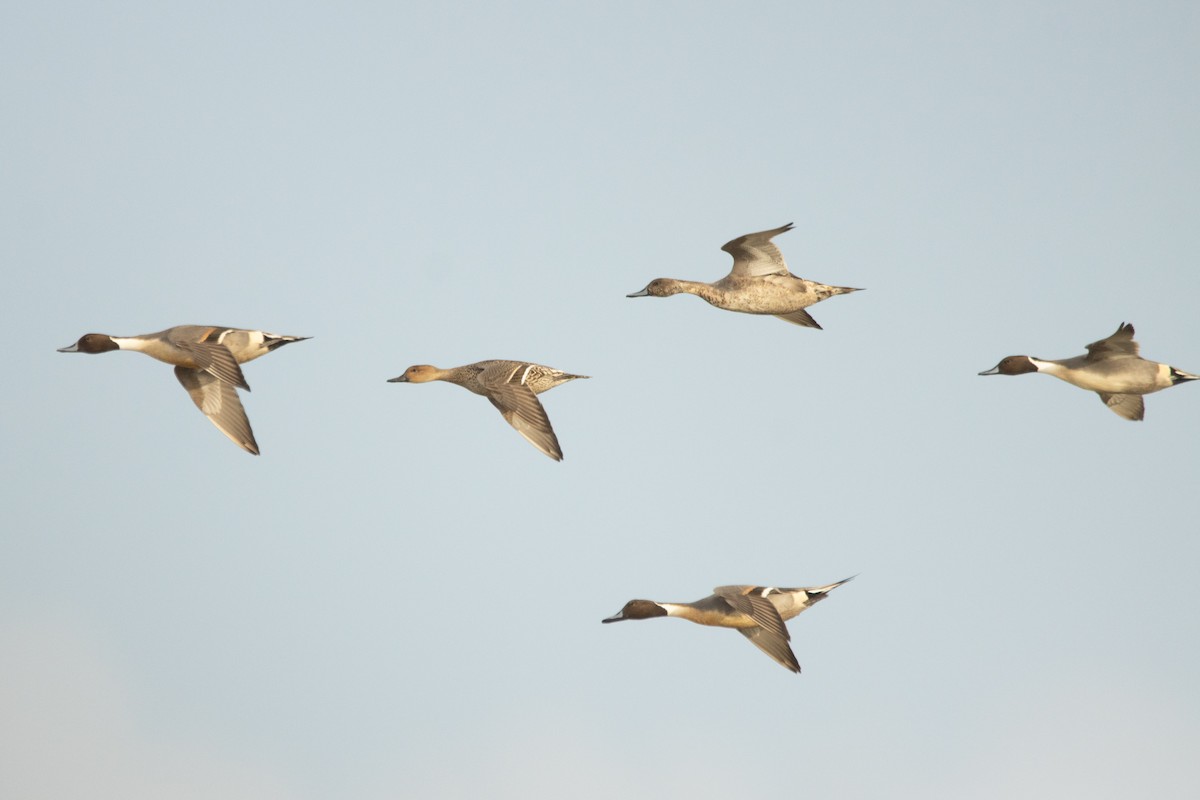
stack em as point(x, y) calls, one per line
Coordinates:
point(773, 646)
point(755, 254)
point(800, 317)
point(219, 402)
point(215, 359)
point(1129, 406)
point(771, 636)
point(1120, 343)
point(520, 407)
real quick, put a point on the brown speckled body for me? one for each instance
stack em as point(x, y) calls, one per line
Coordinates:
point(537, 377)
point(770, 294)
point(759, 283)
point(511, 386)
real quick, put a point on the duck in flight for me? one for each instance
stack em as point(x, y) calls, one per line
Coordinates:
point(756, 612)
point(1112, 369)
point(759, 283)
point(512, 387)
point(206, 360)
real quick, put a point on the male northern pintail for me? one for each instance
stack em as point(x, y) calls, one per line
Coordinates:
point(512, 386)
point(206, 359)
point(758, 284)
point(1112, 368)
point(757, 612)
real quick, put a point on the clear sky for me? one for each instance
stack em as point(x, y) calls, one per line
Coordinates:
point(401, 597)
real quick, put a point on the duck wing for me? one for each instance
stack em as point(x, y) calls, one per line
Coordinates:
point(219, 402)
point(755, 254)
point(1120, 343)
point(771, 635)
point(215, 359)
point(800, 317)
point(772, 645)
point(520, 407)
point(1129, 406)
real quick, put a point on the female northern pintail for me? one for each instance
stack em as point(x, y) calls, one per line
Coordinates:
point(757, 612)
point(758, 284)
point(206, 359)
point(1112, 368)
point(512, 386)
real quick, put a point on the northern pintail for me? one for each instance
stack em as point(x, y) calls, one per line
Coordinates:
point(206, 359)
point(757, 612)
point(512, 386)
point(1112, 368)
point(758, 284)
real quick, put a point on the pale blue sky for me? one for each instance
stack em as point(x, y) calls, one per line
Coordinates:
point(402, 598)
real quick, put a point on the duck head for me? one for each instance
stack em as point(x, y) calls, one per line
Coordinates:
point(91, 343)
point(638, 609)
point(659, 287)
point(418, 373)
point(1012, 365)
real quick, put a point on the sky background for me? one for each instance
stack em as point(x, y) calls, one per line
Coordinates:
point(401, 597)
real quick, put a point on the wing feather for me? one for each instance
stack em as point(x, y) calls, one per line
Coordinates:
point(1120, 343)
point(771, 636)
point(220, 403)
point(217, 360)
point(755, 254)
point(800, 317)
point(1129, 406)
point(520, 407)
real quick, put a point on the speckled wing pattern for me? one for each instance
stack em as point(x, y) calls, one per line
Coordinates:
point(1129, 406)
point(1120, 343)
point(219, 401)
point(771, 636)
point(755, 254)
point(519, 405)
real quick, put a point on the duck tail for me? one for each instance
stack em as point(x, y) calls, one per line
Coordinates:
point(824, 291)
point(824, 590)
point(273, 340)
point(1179, 376)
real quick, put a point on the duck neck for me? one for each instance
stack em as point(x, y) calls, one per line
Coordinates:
point(129, 342)
point(1042, 365)
point(705, 291)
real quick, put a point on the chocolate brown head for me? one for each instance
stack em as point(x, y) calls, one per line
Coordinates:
point(1013, 365)
point(91, 343)
point(638, 609)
